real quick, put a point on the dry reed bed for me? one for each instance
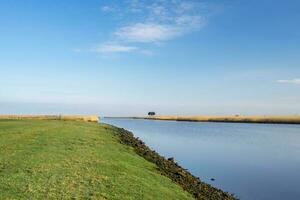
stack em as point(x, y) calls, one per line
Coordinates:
point(86, 118)
point(237, 119)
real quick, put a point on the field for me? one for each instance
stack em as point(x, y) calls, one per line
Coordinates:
point(55, 159)
point(236, 118)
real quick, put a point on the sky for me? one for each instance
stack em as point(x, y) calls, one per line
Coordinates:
point(174, 57)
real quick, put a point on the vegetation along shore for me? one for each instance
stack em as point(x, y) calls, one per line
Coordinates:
point(86, 118)
point(66, 159)
point(292, 119)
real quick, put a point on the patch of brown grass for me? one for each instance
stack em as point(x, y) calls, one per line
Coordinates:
point(87, 118)
point(276, 119)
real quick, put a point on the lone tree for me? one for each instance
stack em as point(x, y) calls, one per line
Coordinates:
point(151, 113)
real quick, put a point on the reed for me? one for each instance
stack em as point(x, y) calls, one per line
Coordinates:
point(86, 118)
point(271, 119)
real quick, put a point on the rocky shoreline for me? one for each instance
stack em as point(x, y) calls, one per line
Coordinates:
point(169, 168)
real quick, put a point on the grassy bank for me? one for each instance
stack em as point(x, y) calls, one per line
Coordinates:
point(55, 159)
point(235, 119)
point(43, 159)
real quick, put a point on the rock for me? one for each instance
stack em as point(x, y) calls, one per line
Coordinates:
point(171, 159)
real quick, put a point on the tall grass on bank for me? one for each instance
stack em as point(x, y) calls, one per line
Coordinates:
point(87, 118)
point(236, 118)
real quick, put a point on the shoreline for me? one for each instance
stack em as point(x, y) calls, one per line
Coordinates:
point(225, 119)
point(170, 168)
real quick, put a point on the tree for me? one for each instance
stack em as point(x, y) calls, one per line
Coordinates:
point(151, 113)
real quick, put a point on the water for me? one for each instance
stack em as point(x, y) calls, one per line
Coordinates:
point(253, 161)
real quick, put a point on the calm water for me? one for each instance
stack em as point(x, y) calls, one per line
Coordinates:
point(253, 161)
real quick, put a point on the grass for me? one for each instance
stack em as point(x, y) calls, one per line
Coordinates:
point(236, 118)
point(87, 118)
point(51, 159)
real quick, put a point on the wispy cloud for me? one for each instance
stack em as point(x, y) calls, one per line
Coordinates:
point(163, 20)
point(107, 9)
point(290, 81)
point(114, 48)
point(143, 32)
point(154, 21)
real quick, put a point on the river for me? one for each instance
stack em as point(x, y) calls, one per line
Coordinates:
point(253, 161)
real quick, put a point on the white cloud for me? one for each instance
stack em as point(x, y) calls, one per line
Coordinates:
point(185, 6)
point(290, 81)
point(158, 12)
point(107, 9)
point(114, 48)
point(189, 22)
point(153, 21)
point(143, 32)
point(160, 20)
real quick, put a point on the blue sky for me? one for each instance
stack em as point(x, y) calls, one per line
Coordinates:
point(129, 57)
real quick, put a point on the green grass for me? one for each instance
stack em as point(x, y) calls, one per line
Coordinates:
point(44, 159)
